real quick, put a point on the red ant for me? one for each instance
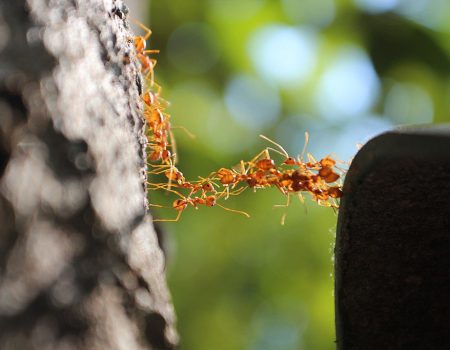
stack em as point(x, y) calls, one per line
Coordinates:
point(292, 176)
point(182, 203)
point(140, 42)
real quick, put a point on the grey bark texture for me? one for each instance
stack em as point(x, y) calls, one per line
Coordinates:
point(80, 264)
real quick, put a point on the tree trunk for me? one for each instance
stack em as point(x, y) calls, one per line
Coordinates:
point(80, 265)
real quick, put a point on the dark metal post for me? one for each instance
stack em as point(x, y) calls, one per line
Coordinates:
point(393, 244)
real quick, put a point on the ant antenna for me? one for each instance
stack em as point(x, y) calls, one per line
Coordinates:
point(304, 145)
point(276, 144)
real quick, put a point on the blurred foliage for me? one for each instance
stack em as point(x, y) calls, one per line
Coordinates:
point(342, 70)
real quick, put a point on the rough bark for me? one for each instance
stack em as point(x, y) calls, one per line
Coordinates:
point(80, 265)
point(393, 244)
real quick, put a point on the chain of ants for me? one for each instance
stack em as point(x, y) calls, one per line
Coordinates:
point(290, 176)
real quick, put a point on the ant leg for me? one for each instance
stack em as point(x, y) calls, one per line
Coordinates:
point(158, 92)
point(342, 170)
point(264, 154)
point(233, 210)
point(173, 146)
point(162, 186)
point(311, 159)
point(176, 192)
point(171, 167)
point(155, 172)
point(170, 220)
point(227, 191)
point(157, 205)
point(282, 189)
point(335, 207)
point(322, 203)
point(288, 202)
point(243, 170)
point(220, 194)
point(158, 166)
point(283, 219)
point(148, 31)
point(188, 133)
point(259, 155)
point(155, 186)
point(238, 191)
point(151, 75)
point(302, 200)
point(212, 182)
point(163, 168)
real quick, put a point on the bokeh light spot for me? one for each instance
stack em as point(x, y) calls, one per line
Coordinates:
point(224, 134)
point(315, 12)
point(191, 102)
point(349, 86)
point(324, 138)
point(276, 334)
point(376, 6)
point(433, 14)
point(408, 103)
point(233, 10)
point(283, 54)
point(252, 103)
point(198, 107)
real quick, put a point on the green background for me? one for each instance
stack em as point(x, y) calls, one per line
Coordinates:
point(342, 70)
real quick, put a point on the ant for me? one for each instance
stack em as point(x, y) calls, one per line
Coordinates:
point(293, 175)
point(183, 202)
point(159, 129)
point(140, 43)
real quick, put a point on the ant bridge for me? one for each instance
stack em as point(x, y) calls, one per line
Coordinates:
point(393, 244)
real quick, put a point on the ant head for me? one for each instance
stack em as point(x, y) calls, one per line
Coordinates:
point(335, 192)
point(149, 98)
point(139, 43)
point(166, 155)
point(207, 186)
point(327, 162)
point(179, 204)
point(290, 161)
point(210, 201)
point(332, 177)
point(155, 155)
point(252, 182)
